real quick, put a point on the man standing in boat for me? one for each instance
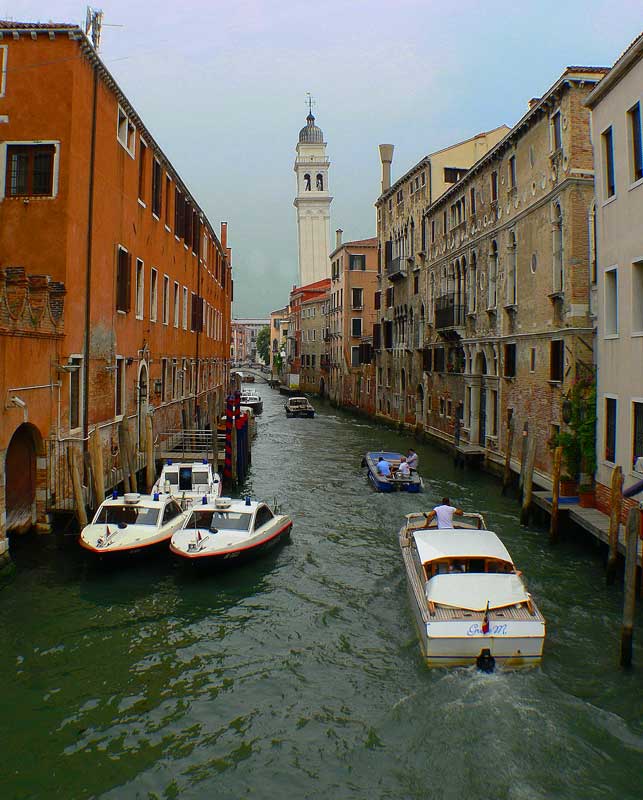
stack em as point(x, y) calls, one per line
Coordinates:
point(443, 514)
point(412, 459)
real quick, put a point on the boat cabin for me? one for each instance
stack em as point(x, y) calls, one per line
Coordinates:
point(461, 552)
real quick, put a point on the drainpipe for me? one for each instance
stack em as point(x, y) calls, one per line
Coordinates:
point(88, 268)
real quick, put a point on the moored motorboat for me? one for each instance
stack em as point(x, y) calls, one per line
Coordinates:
point(395, 481)
point(131, 523)
point(299, 407)
point(228, 531)
point(470, 604)
point(188, 481)
point(250, 398)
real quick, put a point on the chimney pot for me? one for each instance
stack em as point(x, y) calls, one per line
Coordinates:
point(338, 237)
point(386, 157)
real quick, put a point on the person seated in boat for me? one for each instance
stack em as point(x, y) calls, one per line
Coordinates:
point(457, 567)
point(412, 459)
point(383, 467)
point(443, 515)
point(403, 471)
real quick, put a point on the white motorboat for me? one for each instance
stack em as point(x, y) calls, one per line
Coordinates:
point(188, 482)
point(299, 407)
point(131, 523)
point(250, 398)
point(470, 603)
point(228, 531)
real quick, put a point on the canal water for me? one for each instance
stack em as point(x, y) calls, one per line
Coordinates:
point(299, 675)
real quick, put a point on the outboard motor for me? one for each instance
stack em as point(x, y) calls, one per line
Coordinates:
point(485, 661)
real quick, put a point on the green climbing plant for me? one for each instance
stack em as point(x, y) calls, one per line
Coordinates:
point(579, 439)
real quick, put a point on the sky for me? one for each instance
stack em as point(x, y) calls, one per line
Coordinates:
point(222, 88)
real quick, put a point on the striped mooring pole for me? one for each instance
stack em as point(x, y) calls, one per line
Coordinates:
point(229, 421)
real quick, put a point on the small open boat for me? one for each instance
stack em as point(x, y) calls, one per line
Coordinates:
point(393, 482)
point(470, 604)
point(188, 481)
point(251, 399)
point(299, 407)
point(132, 523)
point(228, 531)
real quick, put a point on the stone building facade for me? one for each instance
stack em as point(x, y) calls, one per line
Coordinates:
point(403, 233)
point(312, 342)
point(508, 329)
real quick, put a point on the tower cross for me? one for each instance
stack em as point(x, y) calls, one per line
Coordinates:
point(310, 102)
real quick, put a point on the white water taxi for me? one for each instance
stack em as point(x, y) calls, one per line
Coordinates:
point(133, 522)
point(189, 481)
point(228, 531)
point(299, 407)
point(250, 398)
point(470, 604)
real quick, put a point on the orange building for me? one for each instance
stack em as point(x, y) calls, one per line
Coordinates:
point(298, 296)
point(115, 290)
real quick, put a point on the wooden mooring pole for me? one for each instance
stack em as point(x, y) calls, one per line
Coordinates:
point(96, 461)
point(529, 482)
point(616, 503)
point(123, 449)
point(75, 459)
point(150, 466)
point(523, 461)
point(631, 542)
point(555, 494)
point(506, 475)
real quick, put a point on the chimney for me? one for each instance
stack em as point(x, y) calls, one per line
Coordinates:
point(338, 238)
point(386, 157)
point(534, 101)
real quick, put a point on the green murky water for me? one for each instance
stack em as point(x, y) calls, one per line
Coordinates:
point(299, 675)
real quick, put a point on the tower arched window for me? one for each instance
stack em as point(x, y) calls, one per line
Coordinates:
point(473, 281)
point(557, 245)
point(307, 182)
point(492, 278)
point(320, 182)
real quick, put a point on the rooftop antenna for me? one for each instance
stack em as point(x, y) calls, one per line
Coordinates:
point(93, 25)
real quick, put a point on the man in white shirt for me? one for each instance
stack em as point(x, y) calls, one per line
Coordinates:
point(443, 514)
point(412, 459)
point(403, 471)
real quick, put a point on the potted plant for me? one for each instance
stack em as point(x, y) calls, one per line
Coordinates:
point(586, 495)
point(579, 440)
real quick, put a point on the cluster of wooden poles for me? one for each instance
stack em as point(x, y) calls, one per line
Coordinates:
point(633, 528)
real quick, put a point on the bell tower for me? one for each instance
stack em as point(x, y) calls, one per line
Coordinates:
point(312, 203)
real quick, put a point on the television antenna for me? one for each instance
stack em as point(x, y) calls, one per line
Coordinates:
point(93, 25)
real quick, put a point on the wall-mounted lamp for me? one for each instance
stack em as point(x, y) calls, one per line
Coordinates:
point(129, 361)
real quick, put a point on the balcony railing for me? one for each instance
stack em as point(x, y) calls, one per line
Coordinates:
point(396, 268)
point(447, 313)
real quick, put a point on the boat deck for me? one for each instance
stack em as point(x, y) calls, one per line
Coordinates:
point(444, 614)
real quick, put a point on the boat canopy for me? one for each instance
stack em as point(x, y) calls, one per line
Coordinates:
point(435, 544)
point(472, 591)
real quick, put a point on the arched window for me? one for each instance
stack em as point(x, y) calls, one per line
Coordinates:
point(320, 182)
point(493, 275)
point(307, 182)
point(473, 281)
point(512, 271)
point(557, 244)
point(412, 240)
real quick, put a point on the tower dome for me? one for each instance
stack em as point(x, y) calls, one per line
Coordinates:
point(311, 134)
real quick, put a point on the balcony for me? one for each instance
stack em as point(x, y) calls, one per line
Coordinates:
point(448, 314)
point(396, 269)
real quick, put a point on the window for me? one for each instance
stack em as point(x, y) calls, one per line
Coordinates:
point(610, 429)
point(163, 379)
point(512, 172)
point(3, 75)
point(438, 359)
point(357, 262)
point(355, 356)
point(494, 186)
point(142, 169)
point(140, 287)
point(609, 184)
point(166, 300)
point(30, 170)
point(558, 277)
point(494, 413)
point(119, 405)
point(444, 222)
point(472, 200)
point(556, 132)
point(177, 295)
point(168, 194)
point(153, 295)
point(510, 361)
point(416, 284)
point(187, 223)
point(75, 391)
point(157, 187)
point(453, 174)
point(637, 297)
point(473, 283)
point(611, 302)
point(556, 360)
point(532, 359)
point(178, 213)
point(636, 144)
point(123, 270)
point(357, 298)
point(126, 132)
point(356, 326)
point(493, 275)
point(512, 270)
point(432, 231)
point(637, 431)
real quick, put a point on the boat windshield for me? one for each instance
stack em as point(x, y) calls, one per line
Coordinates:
point(199, 478)
point(172, 478)
point(219, 520)
point(130, 515)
